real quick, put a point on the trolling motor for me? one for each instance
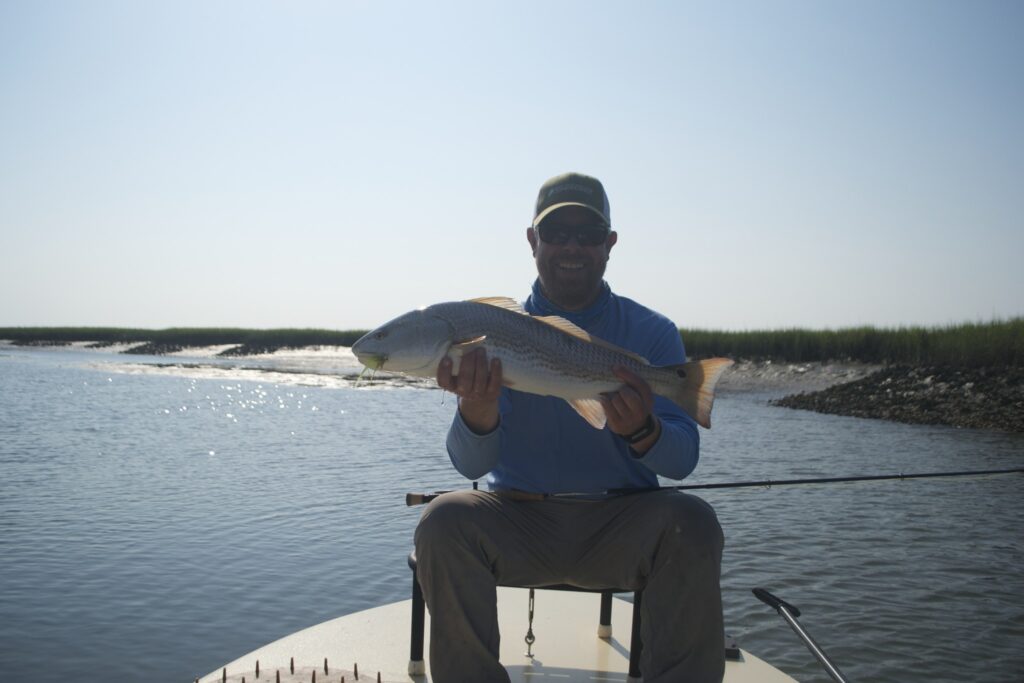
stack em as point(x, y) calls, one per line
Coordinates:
point(790, 613)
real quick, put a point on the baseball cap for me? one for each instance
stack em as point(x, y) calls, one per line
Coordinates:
point(572, 189)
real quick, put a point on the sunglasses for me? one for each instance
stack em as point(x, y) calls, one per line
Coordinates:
point(586, 235)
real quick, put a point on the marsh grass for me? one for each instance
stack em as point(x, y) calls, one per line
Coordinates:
point(997, 343)
point(185, 336)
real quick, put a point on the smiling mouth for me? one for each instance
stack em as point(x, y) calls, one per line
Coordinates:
point(570, 265)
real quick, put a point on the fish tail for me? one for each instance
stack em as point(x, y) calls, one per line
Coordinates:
point(693, 388)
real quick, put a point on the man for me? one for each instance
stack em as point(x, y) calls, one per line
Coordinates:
point(530, 446)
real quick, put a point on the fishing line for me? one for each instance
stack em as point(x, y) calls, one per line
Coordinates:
point(359, 377)
point(420, 498)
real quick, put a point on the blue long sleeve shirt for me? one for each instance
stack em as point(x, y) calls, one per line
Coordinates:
point(542, 446)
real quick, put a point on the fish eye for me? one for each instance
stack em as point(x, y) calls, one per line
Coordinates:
point(380, 335)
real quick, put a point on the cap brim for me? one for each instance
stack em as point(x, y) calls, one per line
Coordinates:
point(555, 207)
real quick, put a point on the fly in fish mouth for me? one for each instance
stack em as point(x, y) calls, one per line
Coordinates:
point(373, 361)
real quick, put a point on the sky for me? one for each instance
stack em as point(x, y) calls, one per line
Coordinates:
point(817, 164)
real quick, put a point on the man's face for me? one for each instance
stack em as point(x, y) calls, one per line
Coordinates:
point(570, 273)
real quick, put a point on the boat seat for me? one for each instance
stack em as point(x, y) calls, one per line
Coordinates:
point(604, 629)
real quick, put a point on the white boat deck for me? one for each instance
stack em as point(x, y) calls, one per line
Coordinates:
point(567, 649)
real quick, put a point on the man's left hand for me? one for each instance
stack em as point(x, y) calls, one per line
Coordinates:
point(628, 408)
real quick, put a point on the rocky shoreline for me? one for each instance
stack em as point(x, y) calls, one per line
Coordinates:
point(980, 398)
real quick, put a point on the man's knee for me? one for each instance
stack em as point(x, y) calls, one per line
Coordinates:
point(444, 518)
point(693, 521)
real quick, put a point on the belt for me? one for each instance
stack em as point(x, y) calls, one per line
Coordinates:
point(528, 496)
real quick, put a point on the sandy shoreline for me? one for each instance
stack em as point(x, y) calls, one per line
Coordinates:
point(786, 378)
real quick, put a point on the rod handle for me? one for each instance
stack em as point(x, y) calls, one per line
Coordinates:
point(775, 602)
point(416, 498)
point(421, 498)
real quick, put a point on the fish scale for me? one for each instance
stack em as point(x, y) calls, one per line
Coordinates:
point(539, 358)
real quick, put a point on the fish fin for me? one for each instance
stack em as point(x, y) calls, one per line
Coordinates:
point(591, 410)
point(578, 332)
point(459, 349)
point(564, 325)
point(469, 344)
point(558, 323)
point(694, 387)
point(508, 303)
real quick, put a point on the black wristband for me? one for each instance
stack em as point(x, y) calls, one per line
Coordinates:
point(648, 428)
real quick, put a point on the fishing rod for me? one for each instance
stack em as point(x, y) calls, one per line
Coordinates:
point(421, 498)
point(768, 483)
point(790, 613)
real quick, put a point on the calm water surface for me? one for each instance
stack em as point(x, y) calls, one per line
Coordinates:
point(154, 526)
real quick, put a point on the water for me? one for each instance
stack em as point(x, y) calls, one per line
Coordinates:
point(154, 526)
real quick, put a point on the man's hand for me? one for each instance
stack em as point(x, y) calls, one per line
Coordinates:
point(628, 408)
point(478, 386)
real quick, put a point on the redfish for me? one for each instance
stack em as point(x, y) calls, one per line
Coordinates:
point(544, 355)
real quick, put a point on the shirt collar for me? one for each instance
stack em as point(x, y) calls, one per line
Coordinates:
point(538, 304)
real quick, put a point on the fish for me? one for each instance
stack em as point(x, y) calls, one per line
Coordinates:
point(544, 355)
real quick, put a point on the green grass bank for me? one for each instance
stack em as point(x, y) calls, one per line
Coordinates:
point(184, 336)
point(997, 343)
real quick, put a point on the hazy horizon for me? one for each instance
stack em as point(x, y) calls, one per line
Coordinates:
point(343, 328)
point(332, 165)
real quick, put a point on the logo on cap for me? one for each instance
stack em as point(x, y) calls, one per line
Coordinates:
point(567, 187)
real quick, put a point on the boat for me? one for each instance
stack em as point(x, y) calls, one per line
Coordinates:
point(374, 644)
point(567, 647)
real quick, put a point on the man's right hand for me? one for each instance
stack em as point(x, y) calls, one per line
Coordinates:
point(478, 386)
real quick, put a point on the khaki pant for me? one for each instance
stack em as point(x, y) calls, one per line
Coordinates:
point(665, 542)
